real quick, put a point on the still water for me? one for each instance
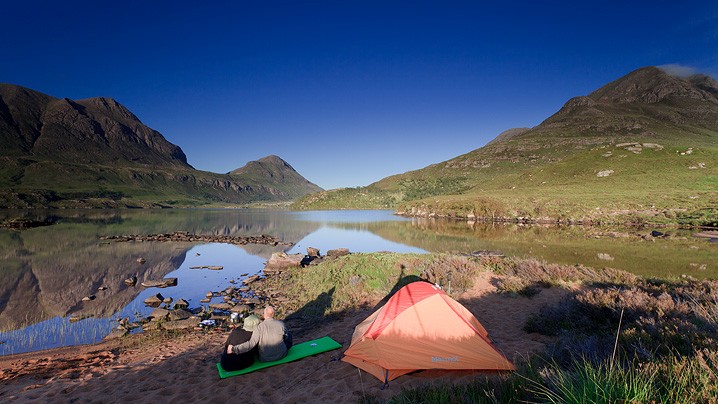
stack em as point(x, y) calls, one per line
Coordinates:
point(46, 271)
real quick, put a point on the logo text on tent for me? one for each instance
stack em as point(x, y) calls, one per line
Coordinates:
point(447, 359)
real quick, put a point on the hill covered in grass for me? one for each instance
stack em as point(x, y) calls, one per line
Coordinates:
point(96, 153)
point(641, 148)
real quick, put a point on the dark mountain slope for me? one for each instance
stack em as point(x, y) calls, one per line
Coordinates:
point(96, 153)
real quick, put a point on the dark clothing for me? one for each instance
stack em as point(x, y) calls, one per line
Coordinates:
point(272, 338)
point(234, 361)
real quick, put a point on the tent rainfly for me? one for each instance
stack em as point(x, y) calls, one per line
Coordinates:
point(421, 327)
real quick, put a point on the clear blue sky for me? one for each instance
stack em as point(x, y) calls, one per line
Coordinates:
point(347, 92)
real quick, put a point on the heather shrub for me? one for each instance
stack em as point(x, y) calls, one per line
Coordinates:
point(454, 273)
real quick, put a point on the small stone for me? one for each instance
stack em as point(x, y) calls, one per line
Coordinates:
point(141, 260)
point(313, 252)
point(131, 281)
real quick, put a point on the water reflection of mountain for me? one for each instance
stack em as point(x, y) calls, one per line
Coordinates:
point(46, 271)
point(41, 286)
point(591, 246)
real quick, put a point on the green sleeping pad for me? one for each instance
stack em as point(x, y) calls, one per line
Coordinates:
point(296, 352)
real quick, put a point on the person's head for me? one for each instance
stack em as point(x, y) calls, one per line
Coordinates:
point(251, 322)
point(268, 312)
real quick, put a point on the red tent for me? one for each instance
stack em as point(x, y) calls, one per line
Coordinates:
point(421, 327)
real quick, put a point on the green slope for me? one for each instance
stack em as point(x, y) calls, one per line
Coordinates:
point(607, 157)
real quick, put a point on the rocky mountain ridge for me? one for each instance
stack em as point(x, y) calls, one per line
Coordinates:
point(57, 152)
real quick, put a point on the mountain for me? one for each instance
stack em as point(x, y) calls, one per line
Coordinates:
point(96, 153)
point(93, 130)
point(274, 171)
point(641, 148)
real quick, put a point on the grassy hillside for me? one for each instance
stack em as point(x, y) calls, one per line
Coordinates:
point(29, 183)
point(597, 160)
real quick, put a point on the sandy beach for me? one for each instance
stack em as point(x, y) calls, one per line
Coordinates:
point(183, 368)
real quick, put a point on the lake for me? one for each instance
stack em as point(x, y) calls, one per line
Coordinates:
point(46, 271)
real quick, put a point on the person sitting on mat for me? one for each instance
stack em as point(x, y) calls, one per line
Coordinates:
point(232, 361)
point(272, 337)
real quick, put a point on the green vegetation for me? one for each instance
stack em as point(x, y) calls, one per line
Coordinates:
point(655, 186)
point(638, 150)
point(665, 351)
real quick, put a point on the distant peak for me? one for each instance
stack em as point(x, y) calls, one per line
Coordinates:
point(272, 159)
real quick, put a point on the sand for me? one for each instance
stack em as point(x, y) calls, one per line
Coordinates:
point(182, 369)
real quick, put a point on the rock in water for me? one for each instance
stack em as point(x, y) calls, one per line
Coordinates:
point(161, 283)
point(159, 314)
point(181, 304)
point(154, 301)
point(181, 314)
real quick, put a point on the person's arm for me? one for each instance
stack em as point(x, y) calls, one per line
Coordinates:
point(247, 346)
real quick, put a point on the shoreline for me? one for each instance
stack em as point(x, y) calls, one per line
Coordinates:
point(116, 367)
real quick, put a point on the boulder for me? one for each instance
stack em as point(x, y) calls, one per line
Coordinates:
point(181, 304)
point(250, 279)
point(284, 261)
point(163, 283)
point(339, 252)
point(313, 252)
point(159, 314)
point(181, 314)
point(154, 301)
